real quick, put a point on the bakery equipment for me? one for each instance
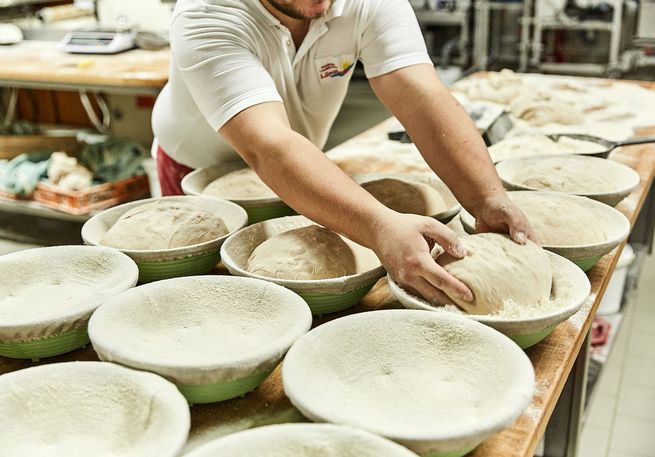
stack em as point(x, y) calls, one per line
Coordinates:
point(609, 145)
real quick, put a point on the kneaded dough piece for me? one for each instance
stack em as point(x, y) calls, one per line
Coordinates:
point(531, 145)
point(498, 271)
point(539, 109)
point(560, 222)
point(306, 253)
point(567, 174)
point(407, 197)
point(239, 184)
point(164, 225)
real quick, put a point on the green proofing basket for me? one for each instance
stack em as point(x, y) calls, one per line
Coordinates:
point(258, 209)
point(431, 180)
point(297, 438)
point(45, 347)
point(160, 264)
point(585, 256)
point(624, 178)
point(221, 391)
point(571, 289)
point(410, 379)
point(216, 337)
point(50, 293)
point(323, 296)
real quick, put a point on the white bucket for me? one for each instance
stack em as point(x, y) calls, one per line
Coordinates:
point(611, 302)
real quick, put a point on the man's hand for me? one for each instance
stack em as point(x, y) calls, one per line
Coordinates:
point(403, 244)
point(499, 214)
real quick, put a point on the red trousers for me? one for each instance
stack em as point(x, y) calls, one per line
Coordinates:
point(170, 174)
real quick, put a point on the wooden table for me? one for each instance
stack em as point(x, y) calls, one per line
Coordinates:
point(553, 358)
point(40, 64)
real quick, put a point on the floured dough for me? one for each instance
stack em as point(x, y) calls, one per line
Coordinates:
point(538, 109)
point(306, 253)
point(164, 225)
point(498, 270)
point(531, 145)
point(239, 184)
point(82, 409)
point(569, 174)
point(374, 163)
point(501, 87)
point(565, 221)
point(406, 196)
point(303, 440)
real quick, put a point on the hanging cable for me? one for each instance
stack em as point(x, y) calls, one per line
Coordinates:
point(101, 126)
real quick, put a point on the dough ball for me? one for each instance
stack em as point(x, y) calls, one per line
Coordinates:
point(164, 225)
point(560, 222)
point(311, 252)
point(539, 109)
point(500, 271)
point(407, 197)
point(567, 174)
point(373, 164)
point(239, 184)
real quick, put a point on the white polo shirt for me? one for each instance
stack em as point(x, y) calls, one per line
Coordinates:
point(228, 55)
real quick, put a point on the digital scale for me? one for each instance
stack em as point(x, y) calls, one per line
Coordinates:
point(97, 41)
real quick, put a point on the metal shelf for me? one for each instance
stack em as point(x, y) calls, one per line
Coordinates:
point(575, 25)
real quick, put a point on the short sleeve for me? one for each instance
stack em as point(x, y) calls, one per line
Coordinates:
point(219, 66)
point(391, 38)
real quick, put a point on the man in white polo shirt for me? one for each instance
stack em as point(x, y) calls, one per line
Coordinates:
point(266, 78)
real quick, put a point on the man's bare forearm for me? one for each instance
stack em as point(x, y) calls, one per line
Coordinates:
point(305, 178)
point(442, 131)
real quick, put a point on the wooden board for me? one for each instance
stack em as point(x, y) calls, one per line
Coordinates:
point(553, 358)
point(42, 62)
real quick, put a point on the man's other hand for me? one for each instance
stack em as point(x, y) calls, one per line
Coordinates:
point(499, 214)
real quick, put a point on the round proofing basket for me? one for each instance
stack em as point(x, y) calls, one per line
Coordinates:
point(324, 440)
point(627, 178)
point(171, 263)
point(107, 271)
point(444, 216)
point(258, 209)
point(324, 295)
point(195, 318)
point(90, 408)
point(570, 285)
point(585, 256)
point(436, 383)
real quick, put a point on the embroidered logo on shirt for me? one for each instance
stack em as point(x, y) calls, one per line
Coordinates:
point(334, 68)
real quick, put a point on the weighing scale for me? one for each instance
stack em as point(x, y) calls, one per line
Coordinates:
point(97, 41)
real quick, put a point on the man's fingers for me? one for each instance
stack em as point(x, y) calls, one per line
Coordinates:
point(439, 278)
point(446, 238)
point(426, 290)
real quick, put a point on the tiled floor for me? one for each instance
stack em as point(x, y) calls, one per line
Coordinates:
point(621, 418)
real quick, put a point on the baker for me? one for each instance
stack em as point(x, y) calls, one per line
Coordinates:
point(265, 79)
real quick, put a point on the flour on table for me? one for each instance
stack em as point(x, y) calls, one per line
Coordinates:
point(498, 270)
point(239, 184)
point(164, 225)
point(407, 197)
point(307, 253)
